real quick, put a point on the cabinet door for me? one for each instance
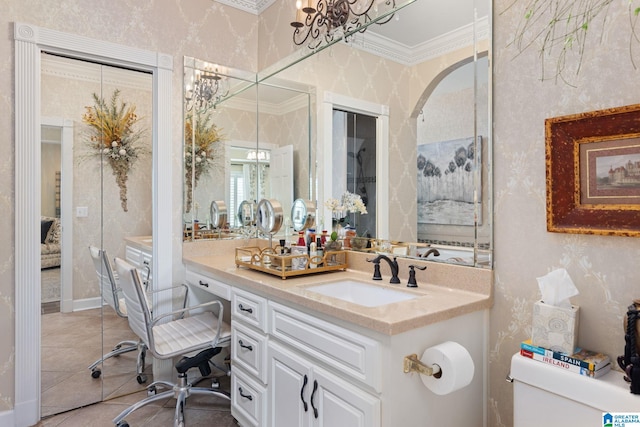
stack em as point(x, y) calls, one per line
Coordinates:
point(289, 388)
point(336, 403)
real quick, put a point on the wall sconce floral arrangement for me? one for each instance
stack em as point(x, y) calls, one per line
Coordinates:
point(115, 138)
point(203, 150)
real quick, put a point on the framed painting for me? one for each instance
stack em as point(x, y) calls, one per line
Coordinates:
point(449, 182)
point(593, 172)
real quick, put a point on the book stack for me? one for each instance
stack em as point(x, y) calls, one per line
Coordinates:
point(583, 362)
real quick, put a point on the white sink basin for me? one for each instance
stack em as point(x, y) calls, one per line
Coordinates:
point(361, 293)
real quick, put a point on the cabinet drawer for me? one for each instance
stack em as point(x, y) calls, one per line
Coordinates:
point(339, 348)
point(248, 400)
point(250, 308)
point(133, 256)
point(249, 350)
point(208, 284)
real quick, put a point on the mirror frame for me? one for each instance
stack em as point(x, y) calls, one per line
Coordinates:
point(29, 42)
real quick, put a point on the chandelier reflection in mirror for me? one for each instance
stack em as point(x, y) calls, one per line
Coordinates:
point(329, 20)
point(259, 155)
point(209, 87)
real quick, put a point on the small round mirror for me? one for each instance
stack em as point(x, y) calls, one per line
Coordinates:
point(303, 214)
point(247, 213)
point(269, 216)
point(218, 214)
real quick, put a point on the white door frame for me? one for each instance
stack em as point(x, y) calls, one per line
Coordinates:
point(66, 214)
point(325, 155)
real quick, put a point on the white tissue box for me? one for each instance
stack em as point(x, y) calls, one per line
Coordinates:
point(555, 328)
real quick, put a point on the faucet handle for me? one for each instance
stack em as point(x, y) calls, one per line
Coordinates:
point(376, 271)
point(412, 283)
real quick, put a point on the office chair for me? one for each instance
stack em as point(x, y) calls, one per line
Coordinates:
point(111, 294)
point(177, 333)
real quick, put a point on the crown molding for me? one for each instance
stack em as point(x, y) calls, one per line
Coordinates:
point(91, 72)
point(406, 55)
point(255, 7)
point(278, 109)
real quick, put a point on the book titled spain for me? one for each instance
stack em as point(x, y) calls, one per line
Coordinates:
point(583, 362)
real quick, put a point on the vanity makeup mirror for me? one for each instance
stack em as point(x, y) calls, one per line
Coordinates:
point(272, 160)
point(425, 77)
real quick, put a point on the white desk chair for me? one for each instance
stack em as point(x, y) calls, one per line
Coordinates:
point(177, 333)
point(111, 294)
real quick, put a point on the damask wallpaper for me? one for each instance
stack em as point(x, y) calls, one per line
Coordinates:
point(604, 269)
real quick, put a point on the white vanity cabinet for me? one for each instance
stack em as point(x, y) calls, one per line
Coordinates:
point(301, 393)
point(292, 366)
point(315, 372)
point(249, 358)
point(141, 258)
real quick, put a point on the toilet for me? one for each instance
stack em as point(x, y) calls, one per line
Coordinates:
point(544, 395)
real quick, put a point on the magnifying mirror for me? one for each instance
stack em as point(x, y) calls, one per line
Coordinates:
point(247, 212)
point(218, 213)
point(303, 214)
point(269, 216)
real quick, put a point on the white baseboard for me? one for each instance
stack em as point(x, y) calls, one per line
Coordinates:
point(7, 418)
point(87, 303)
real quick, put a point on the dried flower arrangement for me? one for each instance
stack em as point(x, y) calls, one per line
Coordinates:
point(207, 151)
point(113, 137)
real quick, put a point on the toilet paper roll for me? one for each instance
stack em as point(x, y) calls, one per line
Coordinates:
point(456, 367)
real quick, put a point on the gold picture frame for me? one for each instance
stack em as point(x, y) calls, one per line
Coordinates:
point(593, 172)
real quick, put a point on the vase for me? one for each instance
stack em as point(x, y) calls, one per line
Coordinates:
point(359, 243)
point(332, 245)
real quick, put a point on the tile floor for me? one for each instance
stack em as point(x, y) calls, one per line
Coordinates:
point(70, 343)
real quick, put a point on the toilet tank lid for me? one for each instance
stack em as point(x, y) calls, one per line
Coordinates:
point(609, 393)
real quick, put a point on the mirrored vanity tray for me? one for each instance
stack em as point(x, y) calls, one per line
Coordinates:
point(268, 261)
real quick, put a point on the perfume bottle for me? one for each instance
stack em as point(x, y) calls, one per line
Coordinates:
point(301, 241)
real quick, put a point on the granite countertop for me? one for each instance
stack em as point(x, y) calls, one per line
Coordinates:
point(142, 242)
point(459, 290)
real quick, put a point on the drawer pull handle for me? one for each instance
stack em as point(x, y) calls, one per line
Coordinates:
point(205, 284)
point(315, 388)
point(246, 396)
point(304, 384)
point(248, 310)
point(248, 347)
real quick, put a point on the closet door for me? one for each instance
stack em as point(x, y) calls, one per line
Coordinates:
point(102, 203)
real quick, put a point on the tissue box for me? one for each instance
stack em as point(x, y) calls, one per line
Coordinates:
point(555, 328)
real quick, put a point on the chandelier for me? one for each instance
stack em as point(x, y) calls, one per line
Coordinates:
point(328, 20)
point(209, 87)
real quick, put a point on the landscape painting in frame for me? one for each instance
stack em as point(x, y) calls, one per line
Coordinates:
point(446, 185)
point(612, 172)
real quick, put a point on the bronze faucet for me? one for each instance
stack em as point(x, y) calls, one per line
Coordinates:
point(431, 251)
point(392, 264)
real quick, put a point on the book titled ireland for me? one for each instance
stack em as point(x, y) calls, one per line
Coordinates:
point(583, 362)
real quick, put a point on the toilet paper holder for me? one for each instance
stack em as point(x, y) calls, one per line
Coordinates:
point(413, 364)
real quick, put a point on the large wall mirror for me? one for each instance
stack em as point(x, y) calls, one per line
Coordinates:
point(104, 205)
point(425, 79)
point(403, 120)
point(243, 142)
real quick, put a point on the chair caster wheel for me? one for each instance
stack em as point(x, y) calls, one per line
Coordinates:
point(141, 379)
point(123, 424)
point(96, 373)
point(151, 391)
